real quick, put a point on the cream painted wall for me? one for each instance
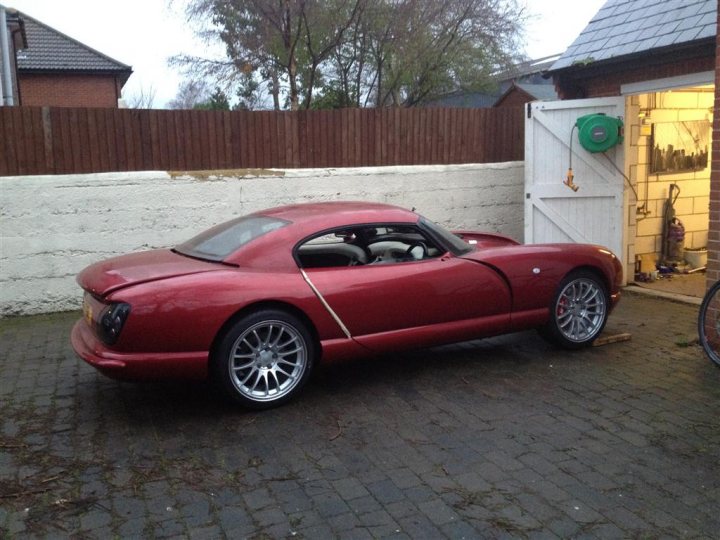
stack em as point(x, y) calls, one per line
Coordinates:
point(54, 226)
point(645, 232)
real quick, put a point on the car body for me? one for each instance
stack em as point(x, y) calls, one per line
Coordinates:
point(333, 280)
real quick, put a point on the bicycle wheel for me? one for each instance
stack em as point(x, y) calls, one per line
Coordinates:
point(709, 323)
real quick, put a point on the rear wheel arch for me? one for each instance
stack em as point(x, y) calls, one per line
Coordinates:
point(262, 305)
point(264, 355)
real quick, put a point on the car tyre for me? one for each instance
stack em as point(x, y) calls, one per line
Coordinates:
point(578, 311)
point(263, 359)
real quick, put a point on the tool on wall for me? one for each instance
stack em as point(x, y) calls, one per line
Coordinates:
point(597, 133)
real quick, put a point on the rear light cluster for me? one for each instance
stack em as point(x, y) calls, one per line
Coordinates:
point(110, 322)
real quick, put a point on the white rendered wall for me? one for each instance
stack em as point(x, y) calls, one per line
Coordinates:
point(51, 227)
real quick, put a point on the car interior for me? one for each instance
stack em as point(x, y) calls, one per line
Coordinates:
point(371, 245)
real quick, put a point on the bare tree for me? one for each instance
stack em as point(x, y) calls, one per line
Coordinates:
point(190, 93)
point(143, 98)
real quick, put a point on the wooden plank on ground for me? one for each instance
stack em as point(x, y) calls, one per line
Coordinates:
point(611, 338)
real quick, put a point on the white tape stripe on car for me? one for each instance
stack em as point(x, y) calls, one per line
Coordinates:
point(327, 306)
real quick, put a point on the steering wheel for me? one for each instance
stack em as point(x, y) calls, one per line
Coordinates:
point(417, 251)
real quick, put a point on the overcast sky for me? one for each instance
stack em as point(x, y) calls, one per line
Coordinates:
point(145, 33)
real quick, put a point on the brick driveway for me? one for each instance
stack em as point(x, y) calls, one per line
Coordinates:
point(505, 437)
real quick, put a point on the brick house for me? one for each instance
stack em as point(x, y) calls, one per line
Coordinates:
point(54, 69)
point(660, 58)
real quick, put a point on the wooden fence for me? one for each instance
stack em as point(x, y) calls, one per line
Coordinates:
point(43, 140)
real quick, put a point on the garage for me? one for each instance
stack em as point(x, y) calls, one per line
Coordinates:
point(645, 195)
point(668, 160)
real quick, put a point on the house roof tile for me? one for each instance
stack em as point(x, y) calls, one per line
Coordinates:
point(623, 27)
point(51, 50)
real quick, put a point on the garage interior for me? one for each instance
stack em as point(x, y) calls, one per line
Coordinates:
point(667, 155)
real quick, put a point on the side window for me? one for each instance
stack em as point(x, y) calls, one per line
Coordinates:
point(393, 244)
point(367, 245)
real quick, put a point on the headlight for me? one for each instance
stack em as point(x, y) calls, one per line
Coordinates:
point(111, 321)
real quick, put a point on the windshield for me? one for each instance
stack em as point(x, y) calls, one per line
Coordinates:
point(456, 244)
point(217, 243)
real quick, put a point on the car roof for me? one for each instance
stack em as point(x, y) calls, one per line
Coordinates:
point(309, 219)
point(326, 215)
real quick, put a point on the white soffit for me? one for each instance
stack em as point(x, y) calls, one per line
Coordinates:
point(668, 83)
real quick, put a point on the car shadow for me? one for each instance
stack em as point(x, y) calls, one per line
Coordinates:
point(167, 401)
point(450, 362)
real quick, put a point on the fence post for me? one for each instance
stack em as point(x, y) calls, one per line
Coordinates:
point(48, 141)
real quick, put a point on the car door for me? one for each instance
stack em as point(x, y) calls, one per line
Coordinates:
point(415, 302)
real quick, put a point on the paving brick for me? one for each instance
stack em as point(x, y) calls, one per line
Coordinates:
point(401, 509)
point(420, 528)
point(294, 501)
point(206, 533)
point(259, 498)
point(344, 522)
point(538, 507)
point(458, 529)
point(317, 531)
point(196, 514)
point(129, 508)
point(357, 533)
point(626, 519)
point(350, 488)
point(386, 492)
point(438, 512)
point(95, 519)
point(232, 518)
point(404, 478)
point(364, 505)
point(330, 504)
point(305, 519)
point(564, 527)
point(420, 493)
point(133, 528)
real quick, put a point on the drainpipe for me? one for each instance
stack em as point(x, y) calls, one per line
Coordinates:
point(7, 85)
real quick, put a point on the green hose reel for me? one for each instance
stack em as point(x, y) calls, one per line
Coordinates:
point(599, 132)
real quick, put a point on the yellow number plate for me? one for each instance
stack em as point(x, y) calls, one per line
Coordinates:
point(87, 311)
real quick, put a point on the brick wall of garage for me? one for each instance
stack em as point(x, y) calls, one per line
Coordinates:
point(608, 83)
point(53, 226)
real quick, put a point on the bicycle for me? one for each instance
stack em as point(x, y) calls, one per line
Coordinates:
point(709, 323)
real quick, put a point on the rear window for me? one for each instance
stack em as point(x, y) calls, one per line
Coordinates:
point(217, 243)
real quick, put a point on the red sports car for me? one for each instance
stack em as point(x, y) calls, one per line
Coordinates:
point(256, 302)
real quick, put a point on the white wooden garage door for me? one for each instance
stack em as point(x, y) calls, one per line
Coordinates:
point(553, 212)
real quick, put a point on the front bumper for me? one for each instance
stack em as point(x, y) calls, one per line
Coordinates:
point(136, 366)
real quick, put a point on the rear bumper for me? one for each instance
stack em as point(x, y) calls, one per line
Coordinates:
point(136, 366)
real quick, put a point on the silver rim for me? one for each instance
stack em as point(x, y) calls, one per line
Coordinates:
point(580, 310)
point(267, 361)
